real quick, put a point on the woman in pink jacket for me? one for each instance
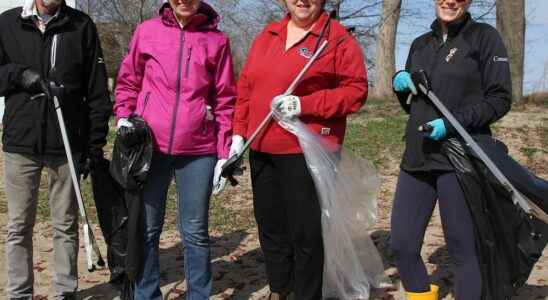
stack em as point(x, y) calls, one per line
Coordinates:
point(178, 76)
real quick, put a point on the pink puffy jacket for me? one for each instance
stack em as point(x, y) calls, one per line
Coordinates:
point(171, 75)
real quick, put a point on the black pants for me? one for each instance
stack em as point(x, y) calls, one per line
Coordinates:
point(414, 202)
point(288, 217)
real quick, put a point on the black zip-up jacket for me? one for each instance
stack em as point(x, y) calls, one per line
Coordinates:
point(31, 126)
point(469, 73)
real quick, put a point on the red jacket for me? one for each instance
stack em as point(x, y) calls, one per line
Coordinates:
point(335, 85)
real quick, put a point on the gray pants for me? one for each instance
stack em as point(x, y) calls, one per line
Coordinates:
point(22, 180)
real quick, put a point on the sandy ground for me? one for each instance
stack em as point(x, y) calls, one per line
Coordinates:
point(237, 259)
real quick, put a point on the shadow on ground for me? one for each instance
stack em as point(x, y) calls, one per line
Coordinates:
point(237, 273)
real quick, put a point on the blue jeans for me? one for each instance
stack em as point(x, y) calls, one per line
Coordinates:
point(193, 175)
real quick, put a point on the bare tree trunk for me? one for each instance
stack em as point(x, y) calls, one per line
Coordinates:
point(511, 25)
point(385, 63)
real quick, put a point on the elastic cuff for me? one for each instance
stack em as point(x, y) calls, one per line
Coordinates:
point(307, 106)
point(449, 129)
point(394, 77)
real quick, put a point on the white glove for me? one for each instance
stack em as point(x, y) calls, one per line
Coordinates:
point(237, 145)
point(123, 122)
point(286, 107)
point(219, 182)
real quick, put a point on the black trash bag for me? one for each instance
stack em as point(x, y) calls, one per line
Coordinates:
point(131, 157)
point(530, 185)
point(132, 154)
point(508, 241)
point(112, 215)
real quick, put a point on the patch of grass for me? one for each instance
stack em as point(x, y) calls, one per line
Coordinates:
point(43, 209)
point(523, 130)
point(543, 132)
point(380, 108)
point(528, 151)
point(221, 218)
point(225, 220)
point(377, 140)
point(3, 203)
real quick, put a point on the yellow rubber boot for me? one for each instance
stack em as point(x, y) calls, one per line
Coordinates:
point(432, 295)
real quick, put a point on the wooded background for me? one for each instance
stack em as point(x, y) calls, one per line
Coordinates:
point(375, 24)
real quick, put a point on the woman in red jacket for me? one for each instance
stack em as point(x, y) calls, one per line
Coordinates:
point(284, 196)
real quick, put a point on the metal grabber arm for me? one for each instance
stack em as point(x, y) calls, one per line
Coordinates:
point(90, 243)
point(420, 79)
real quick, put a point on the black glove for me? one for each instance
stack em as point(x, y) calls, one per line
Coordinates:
point(420, 77)
point(90, 160)
point(32, 82)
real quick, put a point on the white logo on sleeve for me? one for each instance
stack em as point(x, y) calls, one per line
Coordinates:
point(100, 60)
point(500, 59)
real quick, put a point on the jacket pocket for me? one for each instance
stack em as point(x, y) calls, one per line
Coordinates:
point(189, 56)
point(207, 120)
point(147, 96)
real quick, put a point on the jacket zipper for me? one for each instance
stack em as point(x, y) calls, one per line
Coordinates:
point(178, 93)
point(438, 47)
point(188, 62)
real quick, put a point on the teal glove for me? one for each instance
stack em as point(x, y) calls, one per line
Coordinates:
point(402, 83)
point(438, 129)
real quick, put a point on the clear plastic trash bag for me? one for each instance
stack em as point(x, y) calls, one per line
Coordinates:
point(347, 187)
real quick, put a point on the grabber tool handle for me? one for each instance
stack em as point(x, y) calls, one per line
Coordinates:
point(89, 239)
point(232, 163)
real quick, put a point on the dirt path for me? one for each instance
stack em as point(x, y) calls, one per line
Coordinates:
point(237, 260)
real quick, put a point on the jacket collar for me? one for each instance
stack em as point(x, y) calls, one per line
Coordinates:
point(205, 19)
point(453, 28)
point(279, 28)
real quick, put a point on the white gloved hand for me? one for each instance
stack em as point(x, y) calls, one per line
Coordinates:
point(286, 107)
point(219, 182)
point(123, 122)
point(236, 146)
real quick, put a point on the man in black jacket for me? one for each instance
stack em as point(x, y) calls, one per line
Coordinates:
point(46, 41)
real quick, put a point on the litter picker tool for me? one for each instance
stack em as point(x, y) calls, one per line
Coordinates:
point(420, 79)
point(233, 163)
point(89, 238)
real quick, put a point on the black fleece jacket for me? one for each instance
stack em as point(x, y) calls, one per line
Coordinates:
point(469, 73)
